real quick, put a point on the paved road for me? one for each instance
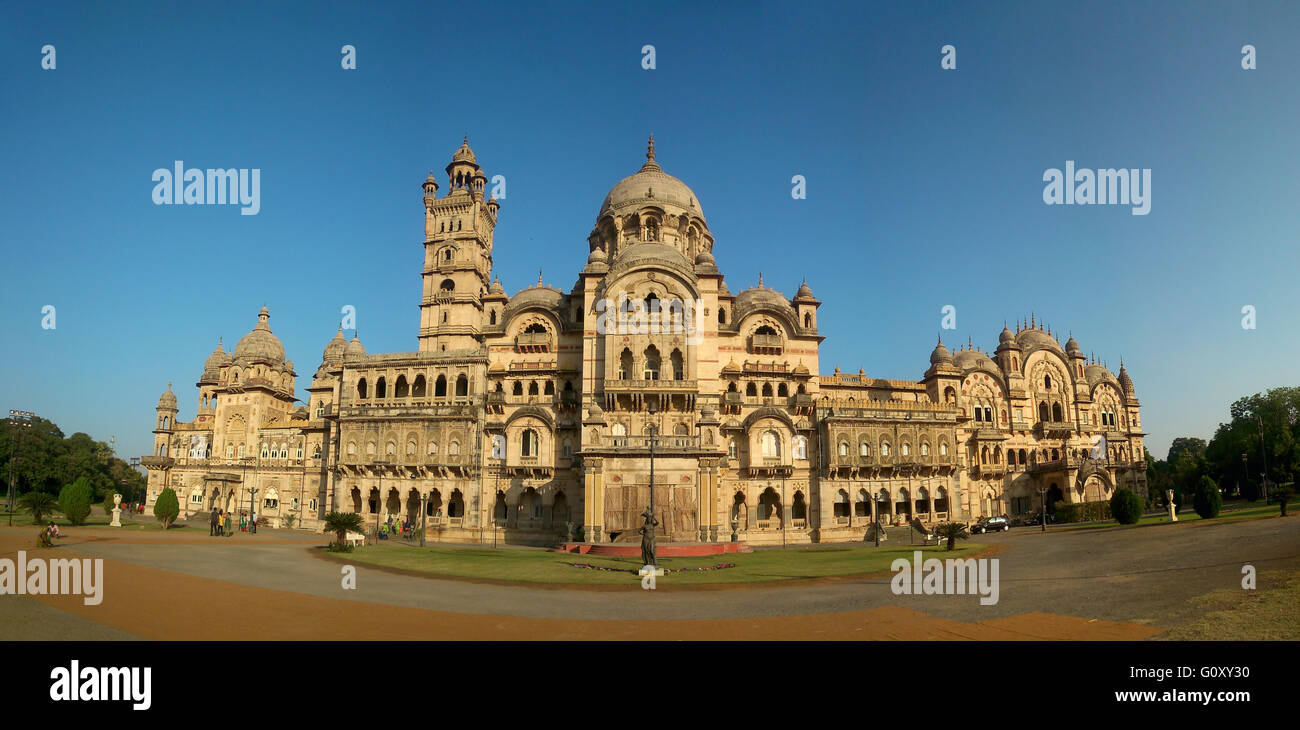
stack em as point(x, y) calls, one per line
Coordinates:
point(1143, 575)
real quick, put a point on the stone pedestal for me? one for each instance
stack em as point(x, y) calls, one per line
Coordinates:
point(117, 511)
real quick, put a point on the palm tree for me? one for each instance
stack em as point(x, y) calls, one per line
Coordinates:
point(952, 532)
point(39, 504)
point(341, 523)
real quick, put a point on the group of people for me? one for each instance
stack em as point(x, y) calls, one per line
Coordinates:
point(393, 529)
point(222, 523)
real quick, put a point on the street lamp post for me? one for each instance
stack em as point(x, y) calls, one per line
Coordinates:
point(876, 528)
point(1042, 498)
point(1263, 455)
point(20, 420)
point(424, 516)
point(652, 432)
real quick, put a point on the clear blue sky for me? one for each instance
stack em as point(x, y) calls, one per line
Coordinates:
point(924, 186)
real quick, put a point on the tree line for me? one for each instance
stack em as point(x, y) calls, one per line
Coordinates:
point(1236, 458)
point(44, 460)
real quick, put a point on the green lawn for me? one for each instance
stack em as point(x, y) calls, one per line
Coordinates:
point(540, 566)
point(1230, 511)
point(1266, 613)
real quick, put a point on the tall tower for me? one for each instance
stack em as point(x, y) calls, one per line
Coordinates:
point(457, 256)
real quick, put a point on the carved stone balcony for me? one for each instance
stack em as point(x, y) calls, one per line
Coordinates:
point(765, 344)
point(533, 342)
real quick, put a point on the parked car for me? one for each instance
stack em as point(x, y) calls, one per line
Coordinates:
point(990, 524)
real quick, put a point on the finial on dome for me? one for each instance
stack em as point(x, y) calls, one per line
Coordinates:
point(760, 280)
point(650, 148)
point(539, 277)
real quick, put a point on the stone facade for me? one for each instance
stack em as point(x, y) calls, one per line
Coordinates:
point(531, 418)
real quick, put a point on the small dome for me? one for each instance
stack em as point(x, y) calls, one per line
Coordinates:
point(801, 369)
point(1007, 337)
point(464, 153)
point(1125, 381)
point(597, 255)
point(168, 399)
point(704, 258)
point(214, 363)
point(940, 355)
point(496, 288)
point(260, 345)
point(1036, 338)
point(1072, 346)
point(723, 291)
point(334, 350)
point(354, 348)
point(731, 367)
point(974, 360)
point(805, 292)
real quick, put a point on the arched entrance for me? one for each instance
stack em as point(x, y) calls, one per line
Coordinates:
point(1053, 496)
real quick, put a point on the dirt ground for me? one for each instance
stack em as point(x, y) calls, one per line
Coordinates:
point(149, 603)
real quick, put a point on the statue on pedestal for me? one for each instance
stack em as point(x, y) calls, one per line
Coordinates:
point(1173, 508)
point(647, 531)
point(117, 511)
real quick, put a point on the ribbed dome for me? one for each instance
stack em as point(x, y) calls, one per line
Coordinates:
point(1072, 346)
point(354, 348)
point(1037, 338)
point(805, 292)
point(974, 360)
point(704, 258)
point(1007, 337)
point(940, 355)
point(335, 349)
point(1125, 381)
point(168, 399)
point(597, 255)
point(464, 153)
point(495, 288)
point(651, 186)
point(212, 366)
point(260, 345)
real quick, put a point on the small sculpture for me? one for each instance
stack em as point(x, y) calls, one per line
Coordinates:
point(117, 511)
point(648, 538)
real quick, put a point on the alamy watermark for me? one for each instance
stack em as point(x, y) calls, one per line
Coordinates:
point(951, 577)
point(214, 186)
point(1108, 186)
point(627, 315)
point(55, 577)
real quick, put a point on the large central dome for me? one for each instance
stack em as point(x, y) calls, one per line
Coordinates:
point(260, 345)
point(650, 186)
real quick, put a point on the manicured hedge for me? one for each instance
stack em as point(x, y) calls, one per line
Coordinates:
point(1082, 511)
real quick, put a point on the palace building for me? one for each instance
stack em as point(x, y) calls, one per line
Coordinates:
point(532, 418)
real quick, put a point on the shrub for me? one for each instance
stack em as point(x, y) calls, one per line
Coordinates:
point(39, 504)
point(952, 532)
point(1126, 506)
point(341, 523)
point(75, 501)
point(166, 508)
point(1207, 499)
point(1283, 494)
